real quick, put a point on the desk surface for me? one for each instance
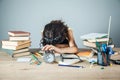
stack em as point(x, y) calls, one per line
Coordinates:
point(12, 70)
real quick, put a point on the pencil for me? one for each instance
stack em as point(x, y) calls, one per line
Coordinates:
point(75, 66)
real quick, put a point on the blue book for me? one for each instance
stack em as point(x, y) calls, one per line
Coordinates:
point(8, 51)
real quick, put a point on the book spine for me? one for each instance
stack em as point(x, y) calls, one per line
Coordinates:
point(14, 43)
point(21, 50)
point(21, 54)
point(86, 43)
point(19, 38)
point(18, 33)
point(16, 47)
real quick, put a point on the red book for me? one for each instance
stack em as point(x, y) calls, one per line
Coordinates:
point(18, 33)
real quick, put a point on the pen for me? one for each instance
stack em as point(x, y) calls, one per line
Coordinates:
point(71, 66)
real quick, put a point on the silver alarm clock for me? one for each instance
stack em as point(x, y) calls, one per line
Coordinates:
point(49, 56)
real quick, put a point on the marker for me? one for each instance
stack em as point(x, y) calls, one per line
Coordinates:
point(36, 59)
point(75, 66)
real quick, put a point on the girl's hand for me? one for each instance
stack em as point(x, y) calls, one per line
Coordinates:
point(51, 47)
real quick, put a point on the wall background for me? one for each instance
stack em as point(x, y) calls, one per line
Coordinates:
point(83, 16)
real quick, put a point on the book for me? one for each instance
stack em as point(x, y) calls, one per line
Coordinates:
point(84, 53)
point(11, 52)
point(18, 33)
point(89, 44)
point(92, 44)
point(12, 38)
point(20, 50)
point(93, 36)
point(14, 43)
point(21, 54)
point(16, 47)
point(7, 51)
point(68, 59)
point(98, 40)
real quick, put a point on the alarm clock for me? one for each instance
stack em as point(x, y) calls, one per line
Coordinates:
point(49, 56)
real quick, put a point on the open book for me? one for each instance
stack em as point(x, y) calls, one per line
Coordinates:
point(69, 59)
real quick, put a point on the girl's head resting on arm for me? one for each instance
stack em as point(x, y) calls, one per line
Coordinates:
point(54, 32)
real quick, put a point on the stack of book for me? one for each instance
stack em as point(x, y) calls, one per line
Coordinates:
point(91, 39)
point(18, 43)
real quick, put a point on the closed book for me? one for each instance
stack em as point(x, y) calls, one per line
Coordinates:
point(98, 40)
point(21, 54)
point(14, 43)
point(8, 51)
point(86, 53)
point(21, 50)
point(19, 38)
point(89, 44)
point(16, 47)
point(11, 52)
point(18, 33)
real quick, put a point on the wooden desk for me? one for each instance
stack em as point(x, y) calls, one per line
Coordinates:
point(12, 70)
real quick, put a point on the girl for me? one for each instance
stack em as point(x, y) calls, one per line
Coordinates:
point(58, 37)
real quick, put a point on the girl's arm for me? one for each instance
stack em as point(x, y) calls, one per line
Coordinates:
point(63, 48)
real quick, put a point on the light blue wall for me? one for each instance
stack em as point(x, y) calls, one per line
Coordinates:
point(83, 16)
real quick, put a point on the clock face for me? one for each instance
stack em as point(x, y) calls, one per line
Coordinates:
point(49, 57)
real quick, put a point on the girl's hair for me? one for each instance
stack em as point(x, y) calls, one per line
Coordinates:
point(54, 32)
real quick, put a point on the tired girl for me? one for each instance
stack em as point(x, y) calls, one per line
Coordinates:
point(58, 37)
